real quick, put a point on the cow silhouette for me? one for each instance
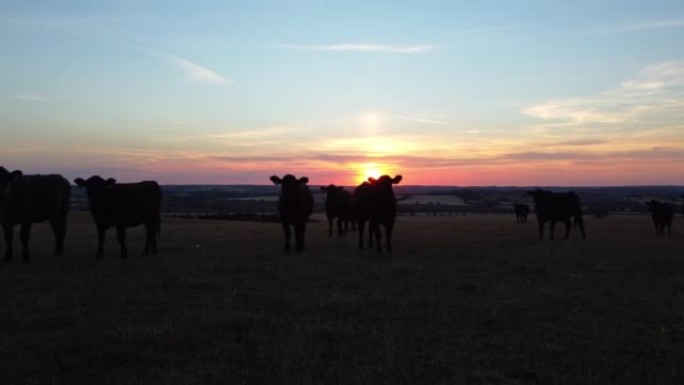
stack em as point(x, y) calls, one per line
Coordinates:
point(551, 207)
point(521, 211)
point(123, 205)
point(28, 199)
point(338, 206)
point(295, 205)
point(377, 205)
point(662, 214)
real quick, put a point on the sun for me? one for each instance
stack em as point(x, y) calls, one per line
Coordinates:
point(369, 170)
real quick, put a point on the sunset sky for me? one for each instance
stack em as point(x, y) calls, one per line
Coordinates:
point(530, 92)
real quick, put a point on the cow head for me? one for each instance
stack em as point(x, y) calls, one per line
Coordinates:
point(7, 182)
point(385, 182)
point(96, 187)
point(331, 188)
point(289, 180)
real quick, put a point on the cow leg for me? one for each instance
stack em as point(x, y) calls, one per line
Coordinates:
point(541, 230)
point(580, 224)
point(330, 225)
point(300, 231)
point(552, 227)
point(9, 237)
point(388, 236)
point(287, 231)
point(568, 225)
point(378, 236)
point(339, 226)
point(100, 241)
point(24, 236)
point(371, 233)
point(121, 237)
point(59, 228)
point(361, 226)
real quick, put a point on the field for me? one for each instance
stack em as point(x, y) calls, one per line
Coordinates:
point(471, 299)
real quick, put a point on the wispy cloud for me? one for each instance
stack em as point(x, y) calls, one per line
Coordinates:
point(194, 71)
point(421, 120)
point(356, 47)
point(656, 93)
point(34, 98)
point(635, 26)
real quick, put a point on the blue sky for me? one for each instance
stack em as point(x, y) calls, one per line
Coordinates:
point(445, 92)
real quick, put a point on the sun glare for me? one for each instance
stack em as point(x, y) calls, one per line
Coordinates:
point(368, 170)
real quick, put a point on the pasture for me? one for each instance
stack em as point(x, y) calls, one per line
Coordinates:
point(471, 299)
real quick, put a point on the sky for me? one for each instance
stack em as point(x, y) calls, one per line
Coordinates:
point(526, 93)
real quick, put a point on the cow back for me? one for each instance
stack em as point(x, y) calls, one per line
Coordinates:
point(128, 204)
point(37, 198)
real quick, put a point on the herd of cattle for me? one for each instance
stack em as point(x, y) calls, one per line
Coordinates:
point(28, 199)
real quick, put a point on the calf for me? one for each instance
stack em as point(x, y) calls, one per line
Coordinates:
point(662, 214)
point(521, 211)
point(28, 199)
point(295, 206)
point(377, 205)
point(552, 207)
point(338, 205)
point(123, 205)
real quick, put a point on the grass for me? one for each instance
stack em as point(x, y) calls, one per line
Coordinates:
point(474, 300)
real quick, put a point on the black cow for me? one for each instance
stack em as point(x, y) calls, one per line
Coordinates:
point(295, 206)
point(521, 211)
point(377, 205)
point(338, 205)
point(28, 199)
point(662, 214)
point(552, 207)
point(123, 205)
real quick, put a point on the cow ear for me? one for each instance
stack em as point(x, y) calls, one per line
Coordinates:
point(396, 179)
point(276, 180)
point(371, 180)
point(303, 180)
point(111, 181)
point(80, 182)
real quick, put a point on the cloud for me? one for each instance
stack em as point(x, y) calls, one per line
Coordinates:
point(193, 71)
point(656, 93)
point(355, 47)
point(421, 120)
point(34, 98)
point(635, 26)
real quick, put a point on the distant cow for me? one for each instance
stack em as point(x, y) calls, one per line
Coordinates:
point(377, 205)
point(295, 206)
point(521, 211)
point(28, 199)
point(338, 205)
point(123, 205)
point(552, 207)
point(662, 214)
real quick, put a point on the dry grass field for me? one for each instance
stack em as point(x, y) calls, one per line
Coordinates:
point(463, 299)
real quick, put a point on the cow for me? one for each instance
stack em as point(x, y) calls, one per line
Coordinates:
point(123, 205)
point(662, 214)
point(295, 205)
point(551, 207)
point(338, 205)
point(28, 199)
point(521, 211)
point(377, 205)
